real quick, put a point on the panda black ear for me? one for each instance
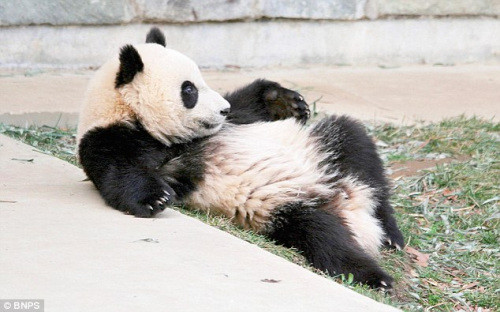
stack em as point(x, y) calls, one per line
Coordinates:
point(130, 64)
point(155, 35)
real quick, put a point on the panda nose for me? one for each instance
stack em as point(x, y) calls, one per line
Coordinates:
point(225, 111)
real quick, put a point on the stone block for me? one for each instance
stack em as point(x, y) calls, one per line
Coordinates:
point(60, 12)
point(182, 11)
point(321, 9)
point(256, 44)
point(227, 10)
point(439, 7)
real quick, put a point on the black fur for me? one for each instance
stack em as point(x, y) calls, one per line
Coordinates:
point(265, 100)
point(138, 174)
point(123, 162)
point(132, 171)
point(130, 64)
point(354, 153)
point(184, 173)
point(127, 164)
point(155, 35)
point(189, 94)
point(325, 242)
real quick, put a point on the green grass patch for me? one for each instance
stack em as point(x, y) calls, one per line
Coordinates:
point(448, 213)
point(53, 141)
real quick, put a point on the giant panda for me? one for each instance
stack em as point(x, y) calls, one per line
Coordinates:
point(152, 133)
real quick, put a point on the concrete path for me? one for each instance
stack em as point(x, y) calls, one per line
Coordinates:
point(59, 242)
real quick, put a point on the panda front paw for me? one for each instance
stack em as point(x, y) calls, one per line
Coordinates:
point(284, 103)
point(152, 206)
point(150, 198)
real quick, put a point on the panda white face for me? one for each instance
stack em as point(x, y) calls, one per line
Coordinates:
point(166, 92)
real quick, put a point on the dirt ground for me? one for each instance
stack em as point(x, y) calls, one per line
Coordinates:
point(397, 95)
point(412, 168)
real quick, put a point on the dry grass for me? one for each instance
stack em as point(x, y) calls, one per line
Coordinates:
point(449, 214)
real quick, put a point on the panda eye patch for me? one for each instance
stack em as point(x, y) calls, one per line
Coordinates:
point(189, 94)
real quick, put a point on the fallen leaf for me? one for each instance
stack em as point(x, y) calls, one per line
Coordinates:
point(414, 273)
point(268, 280)
point(23, 160)
point(147, 240)
point(448, 192)
point(457, 273)
point(470, 285)
point(419, 258)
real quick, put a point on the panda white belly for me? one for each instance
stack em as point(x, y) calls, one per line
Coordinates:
point(253, 169)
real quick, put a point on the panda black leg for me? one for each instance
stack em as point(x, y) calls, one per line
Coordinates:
point(393, 236)
point(122, 162)
point(265, 100)
point(326, 243)
point(354, 153)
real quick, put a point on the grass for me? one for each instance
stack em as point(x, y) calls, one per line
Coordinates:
point(448, 213)
point(52, 141)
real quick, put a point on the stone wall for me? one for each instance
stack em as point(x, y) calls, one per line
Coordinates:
point(62, 33)
point(109, 12)
point(437, 8)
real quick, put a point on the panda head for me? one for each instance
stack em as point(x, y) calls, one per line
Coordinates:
point(166, 93)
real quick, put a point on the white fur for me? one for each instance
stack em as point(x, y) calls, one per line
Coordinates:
point(102, 104)
point(153, 97)
point(255, 168)
point(258, 167)
point(250, 169)
point(356, 204)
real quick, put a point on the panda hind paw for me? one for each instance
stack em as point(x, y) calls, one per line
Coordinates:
point(394, 238)
point(380, 280)
point(284, 103)
point(392, 244)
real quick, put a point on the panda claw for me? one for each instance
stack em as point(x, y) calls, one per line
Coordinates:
point(383, 283)
point(392, 244)
point(159, 203)
point(167, 193)
point(150, 207)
